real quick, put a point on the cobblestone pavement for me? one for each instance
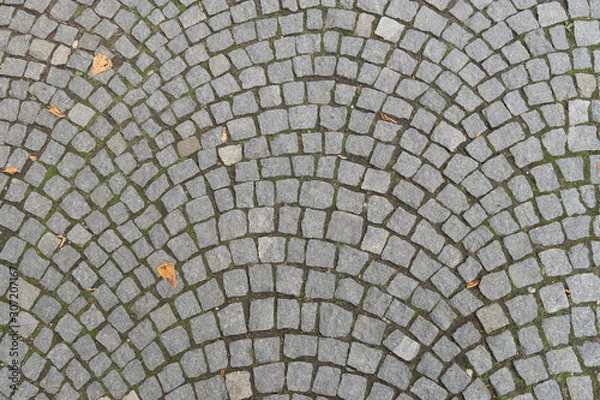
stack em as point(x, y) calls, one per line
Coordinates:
point(363, 199)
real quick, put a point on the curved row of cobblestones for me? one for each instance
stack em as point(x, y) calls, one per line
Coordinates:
point(363, 199)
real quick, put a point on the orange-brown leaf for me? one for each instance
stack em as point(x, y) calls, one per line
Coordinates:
point(33, 158)
point(54, 110)
point(598, 166)
point(10, 170)
point(387, 118)
point(224, 134)
point(101, 63)
point(167, 271)
point(222, 372)
point(472, 284)
point(568, 292)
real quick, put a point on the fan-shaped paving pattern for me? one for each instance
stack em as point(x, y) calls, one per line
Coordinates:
point(327, 177)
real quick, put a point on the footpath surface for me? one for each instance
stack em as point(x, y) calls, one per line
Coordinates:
point(360, 199)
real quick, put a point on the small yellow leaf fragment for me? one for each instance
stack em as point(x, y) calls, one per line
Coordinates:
point(568, 292)
point(101, 63)
point(472, 284)
point(10, 170)
point(92, 289)
point(479, 134)
point(342, 157)
point(54, 110)
point(224, 134)
point(167, 271)
point(33, 158)
point(387, 118)
point(63, 240)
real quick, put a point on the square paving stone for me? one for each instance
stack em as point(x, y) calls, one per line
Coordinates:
point(466, 335)
point(299, 376)
point(352, 387)
point(424, 331)
point(480, 359)
point(213, 388)
point(582, 319)
point(580, 387)
point(235, 283)
point(326, 381)
point(455, 379)
point(525, 273)
point(522, 309)
point(584, 287)
point(267, 350)
point(334, 321)
point(554, 297)
point(395, 372)
point(557, 329)
point(288, 314)
point(261, 278)
point(269, 378)
point(262, 314)
point(562, 360)
point(238, 385)
point(532, 369)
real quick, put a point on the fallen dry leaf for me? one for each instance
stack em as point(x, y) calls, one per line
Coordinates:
point(598, 166)
point(63, 240)
point(224, 134)
point(472, 284)
point(167, 271)
point(479, 134)
point(568, 292)
point(387, 118)
point(92, 289)
point(10, 170)
point(101, 63)
point(342, 157)
point(222, 372)
point(52, 108)
point(33, 158)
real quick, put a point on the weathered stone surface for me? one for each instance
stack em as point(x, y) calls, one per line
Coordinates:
point(341, 187)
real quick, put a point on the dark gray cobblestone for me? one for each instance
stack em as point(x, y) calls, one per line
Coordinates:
point(385, 199)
